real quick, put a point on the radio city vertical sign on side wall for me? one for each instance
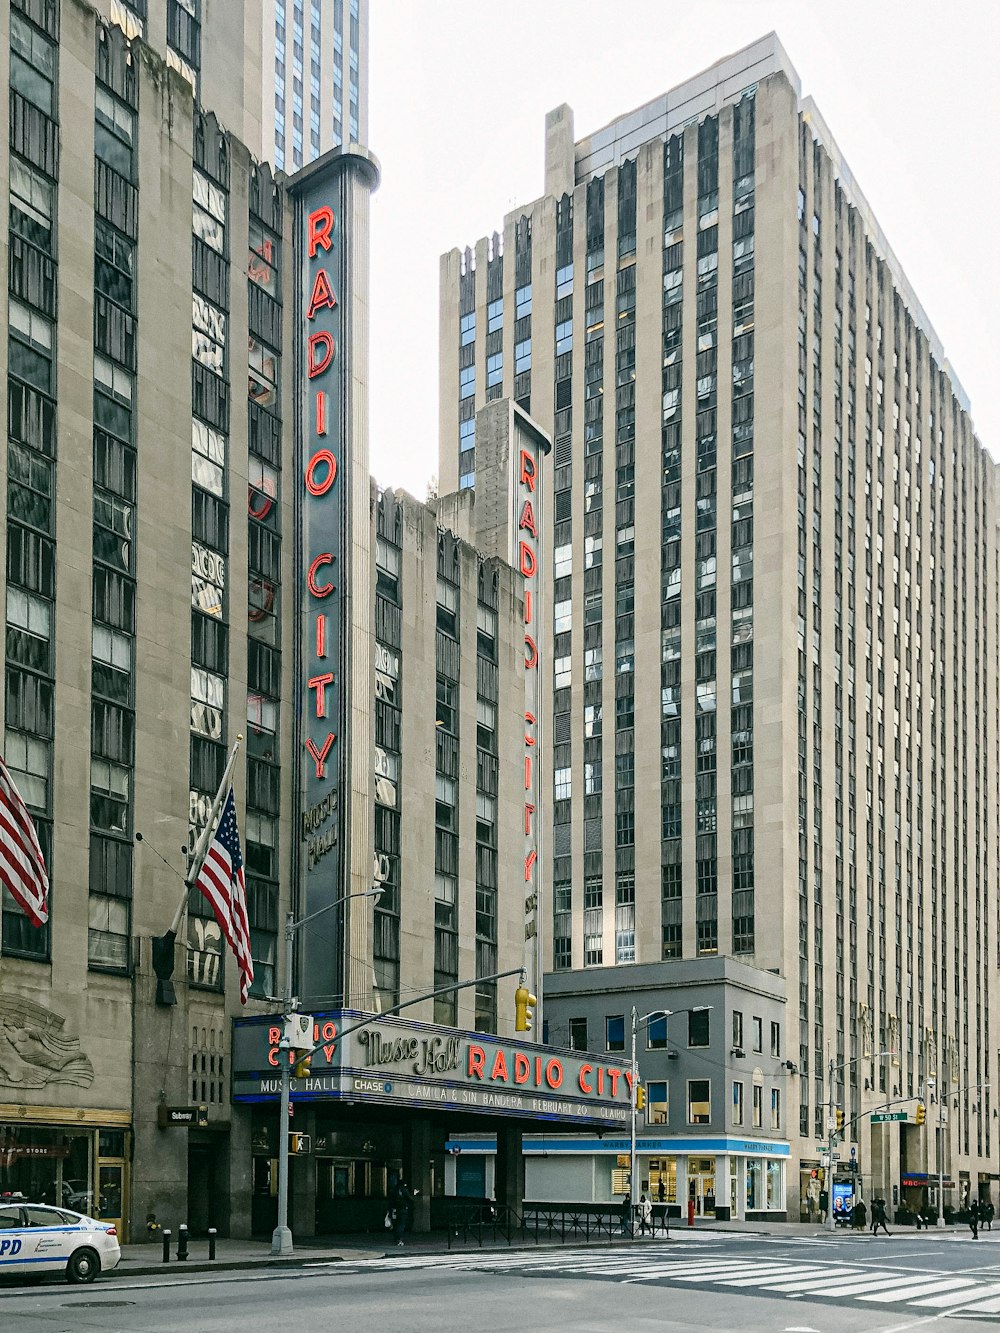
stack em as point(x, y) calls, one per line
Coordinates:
point(324, 464)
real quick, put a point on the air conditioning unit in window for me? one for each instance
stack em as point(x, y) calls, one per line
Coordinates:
point(738, 1052)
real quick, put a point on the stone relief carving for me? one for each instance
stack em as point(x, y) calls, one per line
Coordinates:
point(34, 1050)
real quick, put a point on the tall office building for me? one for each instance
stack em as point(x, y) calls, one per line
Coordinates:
point(287, 77)
point(772, 544)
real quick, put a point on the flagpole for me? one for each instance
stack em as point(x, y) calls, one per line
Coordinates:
point(198, 855)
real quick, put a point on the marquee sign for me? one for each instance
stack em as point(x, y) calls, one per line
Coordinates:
point(395, 1062)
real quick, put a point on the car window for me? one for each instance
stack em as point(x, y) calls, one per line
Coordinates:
point(44, 1217)
point(10, 1217)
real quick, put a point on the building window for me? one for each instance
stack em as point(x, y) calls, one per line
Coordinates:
point(32, 63)
point(657, 1103)
point(737, 1103)
point(656, 1033)
point(494, 369)
point(699, 1101)
point(264, 368)
point(578, 1034)
point(615, 1026)
point(775, 1108)
point(737, 1030)
point(467, 382)
point(758, 1106)
point(447, 608)
point(758, 1035)
point(494, 316)
point(698, 1027)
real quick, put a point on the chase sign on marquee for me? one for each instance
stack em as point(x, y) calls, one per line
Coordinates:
point(394, 1062)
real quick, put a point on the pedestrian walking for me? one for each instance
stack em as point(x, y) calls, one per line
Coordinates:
point(974, 1218)
point(626, 1213)
point(879, 1217)
point(859, 1214)
point(824, 1204)
point(645, 1214)
point(988, 1213)
point(402, 1211)
point(661, 1191)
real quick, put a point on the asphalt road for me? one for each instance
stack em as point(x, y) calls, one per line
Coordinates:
point(812, 1285)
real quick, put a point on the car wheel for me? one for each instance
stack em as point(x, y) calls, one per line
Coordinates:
point(84, 1265)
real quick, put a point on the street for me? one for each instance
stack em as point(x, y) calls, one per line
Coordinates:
point(707, 1280)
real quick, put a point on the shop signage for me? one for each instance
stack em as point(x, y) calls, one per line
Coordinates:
point(527, 518)
point(417, 1064)
point(914, 1178)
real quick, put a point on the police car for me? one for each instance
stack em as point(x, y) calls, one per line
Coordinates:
point(36, 1238)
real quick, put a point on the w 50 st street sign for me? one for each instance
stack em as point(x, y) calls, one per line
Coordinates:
point(885, 1117)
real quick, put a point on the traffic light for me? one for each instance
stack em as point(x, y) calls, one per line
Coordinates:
point(524, 1003)
point(303, 1064)
point(840, 1120)
point(640, 1097)
point(921, 1113)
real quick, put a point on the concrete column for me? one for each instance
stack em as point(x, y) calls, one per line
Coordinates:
point(723, 1190)
point(417, 1169)
point(510, 1168)
point(682, 1184)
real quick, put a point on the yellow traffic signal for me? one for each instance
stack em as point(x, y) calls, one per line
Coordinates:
point(921, 1113)
point(524, 1003)
point(840, 1119)
point(640, 1097)
point(303, 1064)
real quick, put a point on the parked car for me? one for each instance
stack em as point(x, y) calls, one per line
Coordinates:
point(36, 1238)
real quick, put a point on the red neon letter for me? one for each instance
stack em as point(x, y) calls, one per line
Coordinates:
point(530, 653)
point(477, 1061)
point(529, 810)
point(322, 294)
point(528, 470)
point(554, 1074)
point(529, 565)
point(527, 772)
point(584, 1085)
point(320, 412)
point(522, 1068)
point(316, 365)
point(319, 589)
point(614, 1075)
point(529, 862)
point(319, 684)
point(499, 1067)
point(319, 756)
point(320, 226)
point(321, 636)
point(527, 520)
point(313, 486)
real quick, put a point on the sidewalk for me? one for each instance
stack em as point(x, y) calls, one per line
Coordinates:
point(146, 1259)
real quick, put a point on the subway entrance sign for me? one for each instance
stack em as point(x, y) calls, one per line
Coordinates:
point(395, 1062)
point(887, 1117)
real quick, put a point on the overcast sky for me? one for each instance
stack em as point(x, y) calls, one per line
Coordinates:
point(459, 92)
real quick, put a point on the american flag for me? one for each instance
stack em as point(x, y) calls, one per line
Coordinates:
point(22, 866)
point(221, 881)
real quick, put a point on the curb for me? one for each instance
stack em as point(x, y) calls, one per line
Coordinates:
point(218, 1265)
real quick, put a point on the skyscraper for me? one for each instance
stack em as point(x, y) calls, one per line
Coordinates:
point(772, 545)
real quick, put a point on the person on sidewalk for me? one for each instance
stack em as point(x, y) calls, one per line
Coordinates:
point(988, 1213)
point(661, 1191)
point(974, 1218)
point(626, 1213)
point(645, 1214)
point(402, 1211)
point(879, 1217)
point(859, 1214)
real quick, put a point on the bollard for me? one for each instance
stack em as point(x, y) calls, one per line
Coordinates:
point(182, 1241)
point(166, 1245)
point(212, 1233)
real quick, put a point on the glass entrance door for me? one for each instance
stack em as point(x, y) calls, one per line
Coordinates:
point(111, 1179)
point(701, 1185)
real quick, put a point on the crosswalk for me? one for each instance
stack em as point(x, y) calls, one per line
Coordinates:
point(893, 1283)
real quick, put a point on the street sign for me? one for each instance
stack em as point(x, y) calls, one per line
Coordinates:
point(172, 1117)
point(854, 1153)
point(885, 1117)
point(836, 1156)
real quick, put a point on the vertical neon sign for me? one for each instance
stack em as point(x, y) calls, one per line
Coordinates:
point(527, 516)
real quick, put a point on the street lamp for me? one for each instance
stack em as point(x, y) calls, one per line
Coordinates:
point(281, 1239)
point(939, 1095)
point(637, 1023)
point(831, 1129)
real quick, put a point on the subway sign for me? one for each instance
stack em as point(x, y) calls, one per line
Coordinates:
point(394, 1062)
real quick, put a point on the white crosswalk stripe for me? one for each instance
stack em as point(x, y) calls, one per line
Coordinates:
point(667, 1262)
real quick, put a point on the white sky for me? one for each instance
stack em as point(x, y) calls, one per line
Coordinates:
point(459, 92)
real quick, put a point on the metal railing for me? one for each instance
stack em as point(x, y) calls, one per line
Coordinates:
point(472, 1224)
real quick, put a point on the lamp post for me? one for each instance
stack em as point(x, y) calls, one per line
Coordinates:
point(940, 1095)
point(281, 1238)
point(831, 1129)
point(637, 1023)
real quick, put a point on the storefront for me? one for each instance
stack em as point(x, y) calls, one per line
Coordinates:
point(75, 1158)
point(383, 1101)
point(722, 1177)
